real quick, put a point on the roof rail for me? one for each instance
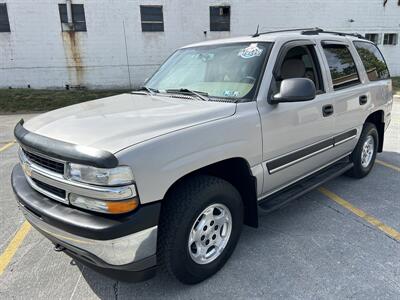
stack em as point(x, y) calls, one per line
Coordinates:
point(285, 30)
point(319, 30)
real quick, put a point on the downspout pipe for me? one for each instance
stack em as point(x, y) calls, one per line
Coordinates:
point(69, 13)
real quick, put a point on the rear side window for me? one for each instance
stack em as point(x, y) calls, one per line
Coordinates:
point(341, 65)
point(373, 61)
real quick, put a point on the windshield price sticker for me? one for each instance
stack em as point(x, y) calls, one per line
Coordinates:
point(250, 51)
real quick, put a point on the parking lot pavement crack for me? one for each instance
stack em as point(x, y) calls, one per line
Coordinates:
point(116, 289)
point(359, 221)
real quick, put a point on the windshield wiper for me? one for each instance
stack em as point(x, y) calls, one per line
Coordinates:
point(202, 95)
point(147, 89)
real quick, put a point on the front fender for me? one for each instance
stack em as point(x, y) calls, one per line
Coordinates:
point(158, 163)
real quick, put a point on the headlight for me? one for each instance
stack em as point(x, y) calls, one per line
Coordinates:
point(106, 177)
point(104, 206)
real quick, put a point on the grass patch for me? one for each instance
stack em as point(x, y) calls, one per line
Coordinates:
point(29, 100)
point(396, 85)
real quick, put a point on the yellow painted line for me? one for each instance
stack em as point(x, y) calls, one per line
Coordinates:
point(383, 163)
point(393, 233)
point(13, 246)
point(6, 146)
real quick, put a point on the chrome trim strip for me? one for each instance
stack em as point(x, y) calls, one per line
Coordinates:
point(119, 251)
point(58, 181)
point(300, 178)
point(345, 140)
point(272, 171)
point(44, 192)
point(297, 150)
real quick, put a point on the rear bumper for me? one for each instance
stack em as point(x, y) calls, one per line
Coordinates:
point(115, 244)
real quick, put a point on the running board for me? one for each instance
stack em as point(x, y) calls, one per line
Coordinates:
point(298, 189)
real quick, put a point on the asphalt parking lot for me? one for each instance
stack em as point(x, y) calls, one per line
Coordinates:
point(340, 242)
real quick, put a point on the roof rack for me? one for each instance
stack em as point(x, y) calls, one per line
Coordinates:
point(310, 31)
point(317, 31)
point(285, 30)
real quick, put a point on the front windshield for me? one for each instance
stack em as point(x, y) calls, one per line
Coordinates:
point(227, 71)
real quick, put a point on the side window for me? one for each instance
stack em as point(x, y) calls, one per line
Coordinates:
point(298, 62)
point(372, 60)
point(341, 65)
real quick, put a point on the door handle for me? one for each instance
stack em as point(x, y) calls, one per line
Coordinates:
point(327, 110)
point(363, 99)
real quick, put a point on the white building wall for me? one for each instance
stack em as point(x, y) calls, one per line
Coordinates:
point(39, 54)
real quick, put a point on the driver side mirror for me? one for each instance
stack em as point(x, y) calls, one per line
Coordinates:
point(295, 90)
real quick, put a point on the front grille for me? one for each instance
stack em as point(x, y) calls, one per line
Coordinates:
point(51, 189)
point(46, 163)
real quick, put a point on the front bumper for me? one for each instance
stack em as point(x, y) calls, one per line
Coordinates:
point(126, 243)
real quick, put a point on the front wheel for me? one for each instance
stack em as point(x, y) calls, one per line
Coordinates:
point(364, 154)
point(200, 225)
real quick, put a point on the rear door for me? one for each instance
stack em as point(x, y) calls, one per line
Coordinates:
point(350, 95)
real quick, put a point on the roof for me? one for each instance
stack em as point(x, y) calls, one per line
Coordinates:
point(288, 34)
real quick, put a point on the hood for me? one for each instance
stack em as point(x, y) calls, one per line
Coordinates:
point(118, 122)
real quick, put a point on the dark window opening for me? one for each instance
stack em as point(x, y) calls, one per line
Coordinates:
point(298, 62)
point(220, 18)
point(4, 22)
point(152, 18)
point(373, 61)
point(341, 65)
point(390, 39)
point(373, 37)
point(78, 17)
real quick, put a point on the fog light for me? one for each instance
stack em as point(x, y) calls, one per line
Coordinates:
point(104, 206)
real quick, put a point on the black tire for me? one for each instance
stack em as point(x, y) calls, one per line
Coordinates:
point(360, 171)
point(179, 212)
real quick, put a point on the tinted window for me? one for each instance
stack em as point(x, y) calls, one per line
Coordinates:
point(220, 18)
point(373, 61)
point(4, 23)
point(341, 65)
point(78, 17)
point(152, 18)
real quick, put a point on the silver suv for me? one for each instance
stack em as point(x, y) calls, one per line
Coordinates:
point(166, 175)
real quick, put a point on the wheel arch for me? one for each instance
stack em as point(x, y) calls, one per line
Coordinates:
point(237, 172)
point(377, 118)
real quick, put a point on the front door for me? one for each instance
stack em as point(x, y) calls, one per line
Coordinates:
point(296, 136)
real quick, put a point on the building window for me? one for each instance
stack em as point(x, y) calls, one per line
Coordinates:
point(77, 17)
point(152, 18)
point(220, 18)
point(373, 37)
point(341, 65)
point(4, 22)
point(390, 39)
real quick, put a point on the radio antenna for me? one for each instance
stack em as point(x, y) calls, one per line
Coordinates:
point(257, 34)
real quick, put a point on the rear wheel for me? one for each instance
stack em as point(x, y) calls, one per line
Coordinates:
point(364, 154)
point(200, 225)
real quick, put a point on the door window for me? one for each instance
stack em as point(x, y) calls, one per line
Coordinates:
point(298, 62)
point(341, 65)
point(373, 61)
